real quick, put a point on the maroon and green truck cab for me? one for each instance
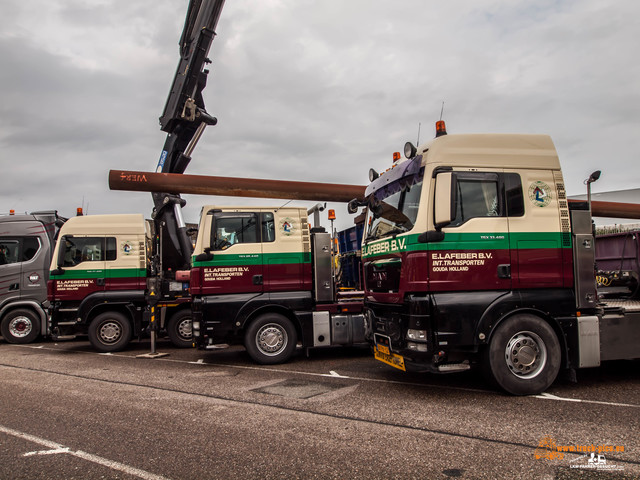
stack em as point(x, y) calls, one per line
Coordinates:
point(472, 255)
point(261, 276)
point(98, 281)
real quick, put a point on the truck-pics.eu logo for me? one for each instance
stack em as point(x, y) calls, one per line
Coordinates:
point(589, 456)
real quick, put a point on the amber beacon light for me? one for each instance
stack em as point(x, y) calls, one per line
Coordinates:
point(441, 128)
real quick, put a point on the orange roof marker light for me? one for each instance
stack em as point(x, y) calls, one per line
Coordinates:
point(79, 212)
point(396, 156)
point(12, 212)
point(441, 128)
point(332, 214)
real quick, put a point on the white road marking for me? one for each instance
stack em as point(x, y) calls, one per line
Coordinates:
point(56, 448)
point(548, 396)
point(47, 452)
point(334, 374)
point(543, 396)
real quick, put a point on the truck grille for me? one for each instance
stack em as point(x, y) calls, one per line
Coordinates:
point(390, 326)
point(383, 275)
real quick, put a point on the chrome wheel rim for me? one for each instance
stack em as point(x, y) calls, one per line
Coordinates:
point(110, 332)
point(20, 326)
point(271, 339)
point(526, 355)
point(184, 329)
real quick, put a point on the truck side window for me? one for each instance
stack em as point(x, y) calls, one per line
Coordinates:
point(514, 196)
point(82, 249)
point(476, 197)
point(30, 246)
point(111, 253)
point(9, 251)
point(268, 227)
point(229, 229)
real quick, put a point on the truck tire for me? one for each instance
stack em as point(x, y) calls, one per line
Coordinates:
point(523, 356)
point(20, 326)
point(110, 332)
point(179, 329)
point(270, 339)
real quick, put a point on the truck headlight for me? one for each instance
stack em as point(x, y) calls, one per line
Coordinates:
point(419, 335)
point(418, 347)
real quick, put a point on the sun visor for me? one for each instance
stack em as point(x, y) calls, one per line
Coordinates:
point(400, 175)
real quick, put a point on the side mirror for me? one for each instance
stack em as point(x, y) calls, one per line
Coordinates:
point(207, 256)
point(353, 205)
point(61, 253)
point(444, 211)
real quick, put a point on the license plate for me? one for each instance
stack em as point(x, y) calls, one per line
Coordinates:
point(382, 352)
point(396, 361)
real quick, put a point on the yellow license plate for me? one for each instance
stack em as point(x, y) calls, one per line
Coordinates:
point(396, 361)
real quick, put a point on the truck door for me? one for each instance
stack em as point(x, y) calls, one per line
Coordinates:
point(283, 247)
point(474, 254)
point(540, 234)
point(125, 263)
point(34, 256)
point(237, 265)
point(83, 263)
point(10, 269)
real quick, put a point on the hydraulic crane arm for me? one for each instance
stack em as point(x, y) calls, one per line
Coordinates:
point(184, 119)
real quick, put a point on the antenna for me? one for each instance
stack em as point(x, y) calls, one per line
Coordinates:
point(418, 141)
point(442, 110)
point(285, 204)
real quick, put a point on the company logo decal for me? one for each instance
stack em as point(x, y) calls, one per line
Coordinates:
point(459, 262)
point(287, 226)
point(388, 246)
point(540, 194)
point(223, 273)
point(34, 277)
point(73, 285)
point(127, 248)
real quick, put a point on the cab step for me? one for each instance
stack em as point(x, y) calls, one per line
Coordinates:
point(453, 367)
point(62, 337)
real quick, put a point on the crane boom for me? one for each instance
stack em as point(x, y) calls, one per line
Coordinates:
point(184, 119)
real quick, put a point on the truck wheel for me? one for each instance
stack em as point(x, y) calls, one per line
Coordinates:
point(20, 326)
point(523, 356)
point(110, 332)
point(179, 329)
point(270, 339)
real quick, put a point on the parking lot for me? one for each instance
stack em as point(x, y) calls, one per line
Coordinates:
point(69, 412)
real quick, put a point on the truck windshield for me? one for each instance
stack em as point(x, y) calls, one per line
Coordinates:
point(394, 210)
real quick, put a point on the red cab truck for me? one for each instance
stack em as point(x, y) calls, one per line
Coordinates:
point(472, 255)
point(98, 282)
point(263, 278)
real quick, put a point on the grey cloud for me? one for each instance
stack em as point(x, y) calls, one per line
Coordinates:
point(316, 91)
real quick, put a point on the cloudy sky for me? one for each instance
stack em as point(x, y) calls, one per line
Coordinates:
point(308, 90)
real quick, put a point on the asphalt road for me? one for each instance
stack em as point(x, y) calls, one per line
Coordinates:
point(68, 412)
